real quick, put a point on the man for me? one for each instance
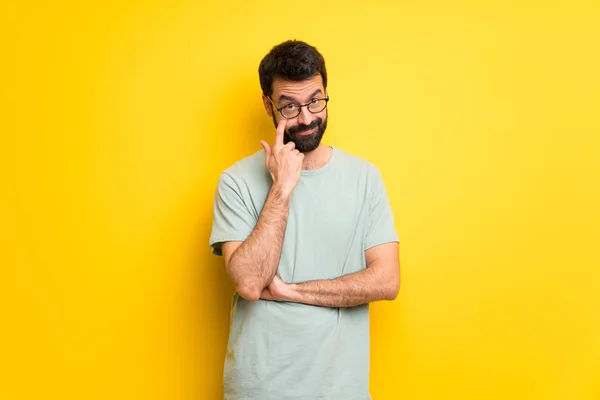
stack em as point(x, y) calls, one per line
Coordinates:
point(308, 239)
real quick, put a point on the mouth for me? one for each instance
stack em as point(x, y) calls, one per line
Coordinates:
point(308, 132)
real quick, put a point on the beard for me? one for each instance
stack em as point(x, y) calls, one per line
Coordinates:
point(305, 143)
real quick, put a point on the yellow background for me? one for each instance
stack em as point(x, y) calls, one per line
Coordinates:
point(118, 117)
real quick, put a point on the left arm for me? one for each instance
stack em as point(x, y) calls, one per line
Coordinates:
point(379, 281)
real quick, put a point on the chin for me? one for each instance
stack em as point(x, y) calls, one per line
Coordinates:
point(304, 144)
point(307, 143)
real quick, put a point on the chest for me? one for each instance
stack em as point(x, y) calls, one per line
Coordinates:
point(325, 231)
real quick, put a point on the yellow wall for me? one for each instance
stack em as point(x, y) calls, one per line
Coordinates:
point(118, 118)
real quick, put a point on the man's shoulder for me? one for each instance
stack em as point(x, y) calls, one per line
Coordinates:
point(248, 167)
point(248, 176)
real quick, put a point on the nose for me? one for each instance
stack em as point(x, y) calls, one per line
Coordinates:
point(305, 117)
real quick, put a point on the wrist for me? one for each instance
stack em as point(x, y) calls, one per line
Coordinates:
point(291, 293)
point(281, 192)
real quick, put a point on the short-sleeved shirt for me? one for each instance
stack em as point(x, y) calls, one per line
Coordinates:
point(294, 351)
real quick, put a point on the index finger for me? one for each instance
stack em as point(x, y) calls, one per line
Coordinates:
point(279, 132)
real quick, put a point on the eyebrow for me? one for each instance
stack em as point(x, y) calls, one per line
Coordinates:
point(290, 98)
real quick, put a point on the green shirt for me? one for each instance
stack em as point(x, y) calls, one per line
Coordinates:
point(284, 350)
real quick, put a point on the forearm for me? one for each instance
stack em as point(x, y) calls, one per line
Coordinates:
point(253, 265)
point(350, 290)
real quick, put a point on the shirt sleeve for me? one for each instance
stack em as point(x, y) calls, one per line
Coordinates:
point(380, 227)
point(232, 220)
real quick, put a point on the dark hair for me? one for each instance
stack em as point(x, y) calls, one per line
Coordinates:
point(292, 60)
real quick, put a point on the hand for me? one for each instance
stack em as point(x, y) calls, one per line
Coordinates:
point(277, 290)
point(283, 161)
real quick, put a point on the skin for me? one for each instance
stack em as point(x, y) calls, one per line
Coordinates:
point(300, 93)
point(379, 281)
point(252, 264)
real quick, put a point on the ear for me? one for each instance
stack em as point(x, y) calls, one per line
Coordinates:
point(268, 105)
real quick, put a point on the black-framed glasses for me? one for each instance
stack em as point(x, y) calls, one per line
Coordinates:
point(292, 110)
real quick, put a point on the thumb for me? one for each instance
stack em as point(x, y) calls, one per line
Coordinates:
point(267, 148)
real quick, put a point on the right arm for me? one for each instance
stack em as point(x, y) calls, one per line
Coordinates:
point(252, 264)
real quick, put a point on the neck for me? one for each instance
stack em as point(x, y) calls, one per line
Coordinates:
point(317, 158)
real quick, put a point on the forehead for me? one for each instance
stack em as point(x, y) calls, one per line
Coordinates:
point(296, 89)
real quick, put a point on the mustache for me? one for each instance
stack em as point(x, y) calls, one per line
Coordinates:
point(303, 128)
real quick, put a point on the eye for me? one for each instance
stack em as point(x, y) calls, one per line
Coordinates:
point(315, 100)
point(290, 106)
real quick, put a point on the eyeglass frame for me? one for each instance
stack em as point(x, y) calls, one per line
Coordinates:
point(300, 106)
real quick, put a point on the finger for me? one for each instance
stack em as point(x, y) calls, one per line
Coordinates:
point(296, 151)
point(290, 145)
point(267, 148)
point(279, 132)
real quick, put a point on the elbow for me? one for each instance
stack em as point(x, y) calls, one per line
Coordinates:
point(248, 292)
point(243, 285)
point(393, 290)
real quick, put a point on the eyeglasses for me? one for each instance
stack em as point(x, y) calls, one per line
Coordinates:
point(292, 110)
